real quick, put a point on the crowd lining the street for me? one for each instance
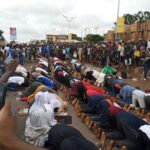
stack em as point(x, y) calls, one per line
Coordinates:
point(55, 66)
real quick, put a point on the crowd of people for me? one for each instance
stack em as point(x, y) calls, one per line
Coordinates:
point(42, 129)
point(136, 54)
point(111, 117)
point(54, 66)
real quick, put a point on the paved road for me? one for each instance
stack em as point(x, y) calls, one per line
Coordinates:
point(76, 122)
point(137, 78)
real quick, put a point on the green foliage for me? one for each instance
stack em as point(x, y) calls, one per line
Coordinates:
point(75, 37)
point(1, 32)
point(140, 16)
point(1, 35)
point(94, 38)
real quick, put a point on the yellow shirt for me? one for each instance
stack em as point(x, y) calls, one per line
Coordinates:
point(137, 53)
point(32, 96)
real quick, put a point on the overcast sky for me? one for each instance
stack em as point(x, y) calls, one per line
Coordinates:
point(36, 18)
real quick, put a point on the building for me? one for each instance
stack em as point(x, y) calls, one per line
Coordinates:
point(133, 32)
point(56, 38)
point(110, 36)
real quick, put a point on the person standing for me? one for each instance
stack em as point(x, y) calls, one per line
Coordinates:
point(128, 60)
point(20, 56)
point(43, 50)
point(63, 53)
point(122, 53)
point(137, 56)
point(28, 54)
point(88, 54)
point(146, 66)
point(80, 54)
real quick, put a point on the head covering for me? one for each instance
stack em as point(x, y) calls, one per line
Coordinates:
point(117, 86)
point(38, 125)
point(52, 100)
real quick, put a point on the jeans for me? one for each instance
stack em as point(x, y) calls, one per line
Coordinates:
point(145, 69)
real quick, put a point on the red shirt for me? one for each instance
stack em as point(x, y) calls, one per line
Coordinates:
point(100, 91)
point(115, 110)
point(92, 92)
point(85, 84)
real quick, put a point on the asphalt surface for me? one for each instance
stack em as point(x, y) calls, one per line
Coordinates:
point(76, 122)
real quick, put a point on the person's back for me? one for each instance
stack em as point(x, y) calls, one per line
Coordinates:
point(45, 81)
point(77, 143)
point(62, 137)
point(58, 133)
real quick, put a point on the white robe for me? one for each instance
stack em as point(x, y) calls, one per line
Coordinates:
point(42, 98)
point(38, 125)
point(41, 118)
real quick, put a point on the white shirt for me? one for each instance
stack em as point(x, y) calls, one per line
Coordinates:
point(100, 78)
point(56, 62)
point(73, 61)
point(64, 52)
point(41, 70)
point(139, 93)
point(22, 70)
point(7, 49)
point(56, 68)
point(95, 74)
point(43, 59)
point(43, 63)
point(65, 73)
point(148, 46)
point(77, 64)
point(80, 51)
point(88, 52)
point(146, 130)
point(16, 79)
point(56, 59)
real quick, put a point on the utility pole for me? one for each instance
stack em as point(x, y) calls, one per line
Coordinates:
point(69, 20)
point(85, 33)
point(96, 29)
point(118, 10)
point(81, 36)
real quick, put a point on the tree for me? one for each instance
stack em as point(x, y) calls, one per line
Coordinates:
point(130, 19)
point(147, 15)
point(1, 32)
point(75, 37)
point(94, 38)
point(1, 35)
point(139, 16)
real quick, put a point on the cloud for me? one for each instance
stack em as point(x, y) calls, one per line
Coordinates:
point(36, 18)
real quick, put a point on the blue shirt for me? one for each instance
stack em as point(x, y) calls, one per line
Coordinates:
point(126, 93)
point(43, 51)
point(45, 81)
point(11, 53)
point(51, 51)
